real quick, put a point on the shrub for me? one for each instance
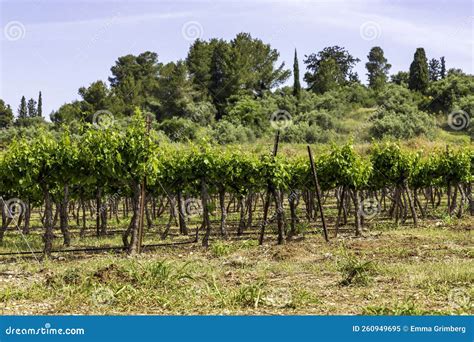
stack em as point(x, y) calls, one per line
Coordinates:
point(225, 132)
point(321, 119)
point(445, 93)
point(303, 132)
point(398, 115)
point(179, 129)
point(252, 113)
point(402, 125)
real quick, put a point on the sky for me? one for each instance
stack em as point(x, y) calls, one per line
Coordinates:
point(59, 46)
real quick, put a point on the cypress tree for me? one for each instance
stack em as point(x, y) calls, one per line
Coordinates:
point(39, 111)
point(22, 110)
point(419, 78)
point(296, 78)
point(442, 72)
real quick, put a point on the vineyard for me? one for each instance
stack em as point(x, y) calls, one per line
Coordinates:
point(108, 182)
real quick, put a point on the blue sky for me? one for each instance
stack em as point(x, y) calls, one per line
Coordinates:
point(59, 46)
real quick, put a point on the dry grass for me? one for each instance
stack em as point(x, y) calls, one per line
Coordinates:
point(428, 270)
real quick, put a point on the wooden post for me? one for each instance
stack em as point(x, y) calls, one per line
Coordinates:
point(318, 194)
point(142, 197)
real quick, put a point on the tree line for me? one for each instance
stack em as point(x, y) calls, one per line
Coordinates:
point(217, 75)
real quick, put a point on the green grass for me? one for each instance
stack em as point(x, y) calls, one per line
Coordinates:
point(393, 270)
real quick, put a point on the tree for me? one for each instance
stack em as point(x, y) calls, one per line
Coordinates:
point(344, 62)
point(6, 115)
point(296, 78)
point(174, 92)
point(134, 79)
point(327, 77)
point(198, 62)
point(243, 66)
point(442, 71)
point(434, 70)
point(400, 78)
point(40, 105)
point(253, 64)
point(419, 79)
point(377, 68)
point(32, 108)
point(22, 109)
point(67, 113)
point(447, 93)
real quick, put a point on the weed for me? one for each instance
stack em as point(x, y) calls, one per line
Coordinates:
point(355, 271)
point(249, 295)
point(219, 249)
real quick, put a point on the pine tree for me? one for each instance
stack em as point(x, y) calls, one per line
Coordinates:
point(419, 77)
point(296, 78)
point(22, 109)
point(6, 115)
point(377, 68)
point(32, 111)
point(434, 69)
point(39, 111)
point(442, 71)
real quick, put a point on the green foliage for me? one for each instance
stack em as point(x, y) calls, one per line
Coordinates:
point(245, 65)
point(434, 69)
point(419, 77)
point(225, 132)
point(134, 80)
point(329, 68)
point(304, 132)
point(40, 105)
point(6, 115)
point(296, 78)
point(391, 165)
point(174, 93)
point(400, 78)
point(179, 129)
point(219, 249)
point(343, 167)
point(32, 108)
point(377, 68)
point(252, 113)
point(398, 116)
point(22, 109)
point(453, 90)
